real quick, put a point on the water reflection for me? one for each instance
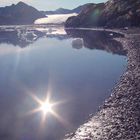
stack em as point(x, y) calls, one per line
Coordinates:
point(101, 40)
point(24, 36)
point(82, 79)
point(20, 37)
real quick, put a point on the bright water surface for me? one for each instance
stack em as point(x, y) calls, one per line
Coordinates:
point(78, 70)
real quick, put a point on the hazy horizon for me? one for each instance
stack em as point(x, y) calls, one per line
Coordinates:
point(51, 5)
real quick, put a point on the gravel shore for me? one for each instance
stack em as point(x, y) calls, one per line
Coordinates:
point(119, 117)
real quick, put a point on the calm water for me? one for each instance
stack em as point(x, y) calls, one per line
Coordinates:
point(77, 69)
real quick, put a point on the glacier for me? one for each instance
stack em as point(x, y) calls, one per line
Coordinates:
point(54, 19)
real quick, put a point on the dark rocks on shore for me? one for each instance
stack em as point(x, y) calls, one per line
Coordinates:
point(114, 13)
point(20, 13)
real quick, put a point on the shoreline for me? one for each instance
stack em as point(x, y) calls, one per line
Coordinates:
point(118, 118)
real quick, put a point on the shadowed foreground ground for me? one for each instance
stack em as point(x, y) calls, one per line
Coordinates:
point(119, 117)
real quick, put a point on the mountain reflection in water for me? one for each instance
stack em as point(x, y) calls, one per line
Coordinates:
point(101, 40)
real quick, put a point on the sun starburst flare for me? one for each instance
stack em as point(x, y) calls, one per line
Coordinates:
point(46, 107)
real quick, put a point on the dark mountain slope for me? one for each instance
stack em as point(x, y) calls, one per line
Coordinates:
point(114, 13)
point(20, 13)
point(88, 17)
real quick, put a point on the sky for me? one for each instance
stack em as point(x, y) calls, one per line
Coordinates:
point(51, 4)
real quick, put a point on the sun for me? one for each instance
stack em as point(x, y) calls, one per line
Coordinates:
point(46, 107)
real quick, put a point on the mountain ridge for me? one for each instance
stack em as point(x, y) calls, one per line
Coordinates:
point(20, 13)
point(66, 11)
point(113, 13)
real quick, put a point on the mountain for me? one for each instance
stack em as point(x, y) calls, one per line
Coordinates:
point(20, 13)
point(66, 11)
point(57, 11)
point(87, 17)
point(114, 13)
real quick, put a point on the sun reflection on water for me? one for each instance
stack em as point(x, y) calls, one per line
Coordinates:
point(47, 107)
